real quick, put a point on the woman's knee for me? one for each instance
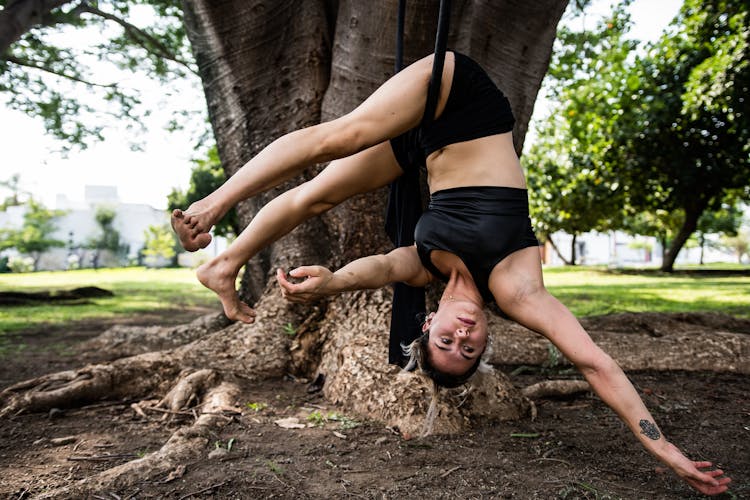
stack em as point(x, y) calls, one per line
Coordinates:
point(310, 199)
point(341, 137)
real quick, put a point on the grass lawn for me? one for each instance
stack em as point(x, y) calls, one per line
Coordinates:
point(585, 290)
point(590, 291)
point(137, 290)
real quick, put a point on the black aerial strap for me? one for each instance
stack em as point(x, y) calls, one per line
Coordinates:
point(441, 42)
point(404, 199)
point(400, 35)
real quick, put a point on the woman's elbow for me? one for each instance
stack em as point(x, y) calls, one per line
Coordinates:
point(598, 364)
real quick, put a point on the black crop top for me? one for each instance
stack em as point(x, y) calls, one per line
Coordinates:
point(475, 108)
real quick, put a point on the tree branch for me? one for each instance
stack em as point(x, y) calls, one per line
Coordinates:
point(139, 36)
point(19, 16)
point(29, 64)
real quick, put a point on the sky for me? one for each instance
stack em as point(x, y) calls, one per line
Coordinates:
point(165, 163)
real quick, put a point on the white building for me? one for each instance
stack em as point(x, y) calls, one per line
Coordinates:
point(619, 249)
point(79, 225)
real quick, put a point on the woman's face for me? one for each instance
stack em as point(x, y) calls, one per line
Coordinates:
point(458, 336)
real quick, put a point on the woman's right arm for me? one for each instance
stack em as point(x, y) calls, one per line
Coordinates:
point(374, 271)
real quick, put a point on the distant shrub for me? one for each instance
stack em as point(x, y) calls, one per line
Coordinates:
point(19, 264)
point(74, 261)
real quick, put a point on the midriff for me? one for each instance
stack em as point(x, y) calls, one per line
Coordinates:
point(487, 161)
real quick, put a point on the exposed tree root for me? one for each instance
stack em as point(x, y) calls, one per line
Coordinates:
point(358, 377)
point(687, 344)
point(120, 340)
point(187, 390)
point(120, 379)
point(184, 446)
point(556, 388)
point(254, 352)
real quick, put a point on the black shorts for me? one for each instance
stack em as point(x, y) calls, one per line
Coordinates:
point(481, 225)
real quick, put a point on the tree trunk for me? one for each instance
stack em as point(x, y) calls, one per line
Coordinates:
point(265, 68)
point(688, 227)
point(573, 250)
point(557, 251)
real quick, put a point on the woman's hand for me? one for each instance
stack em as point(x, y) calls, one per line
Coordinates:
point(314, 287)
point(709, 482)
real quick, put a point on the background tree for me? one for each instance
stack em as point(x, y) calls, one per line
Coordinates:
point(205, 177)
point(76, 90)
point(739, 243)
point(724, 222)
point(682, 138)
point(108, 238)
point(35, 236)
point(572, 186)
point(646, 143)
point(659, 223)
point(159, 244)
point(12, 184)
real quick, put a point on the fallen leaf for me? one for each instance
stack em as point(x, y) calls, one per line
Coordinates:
point(289, 423)
point(339, 435)
point(219, 453)
point(63, 440)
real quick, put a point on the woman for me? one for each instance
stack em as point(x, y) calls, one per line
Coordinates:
point(469, 144)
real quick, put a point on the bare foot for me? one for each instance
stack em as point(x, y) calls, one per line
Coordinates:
point(192, 226)
point(216, 276)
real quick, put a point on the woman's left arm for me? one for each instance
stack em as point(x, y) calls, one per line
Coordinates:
point(519, 290)
point(614, 388)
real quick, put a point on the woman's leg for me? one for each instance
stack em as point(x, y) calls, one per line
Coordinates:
point(392, 109)
point(363, 172)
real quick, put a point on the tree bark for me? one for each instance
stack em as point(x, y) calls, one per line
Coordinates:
point(265, 68)
point(573, 250)
point(688, 227)
point(19, 16)
point(557, 251)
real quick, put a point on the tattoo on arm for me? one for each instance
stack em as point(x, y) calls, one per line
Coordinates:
point(649, 429)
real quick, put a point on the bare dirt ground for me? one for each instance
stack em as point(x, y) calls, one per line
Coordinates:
point(576, 447)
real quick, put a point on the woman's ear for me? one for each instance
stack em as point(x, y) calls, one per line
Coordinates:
point(427, 322)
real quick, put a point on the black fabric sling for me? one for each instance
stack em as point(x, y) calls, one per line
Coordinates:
point(405, 203)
